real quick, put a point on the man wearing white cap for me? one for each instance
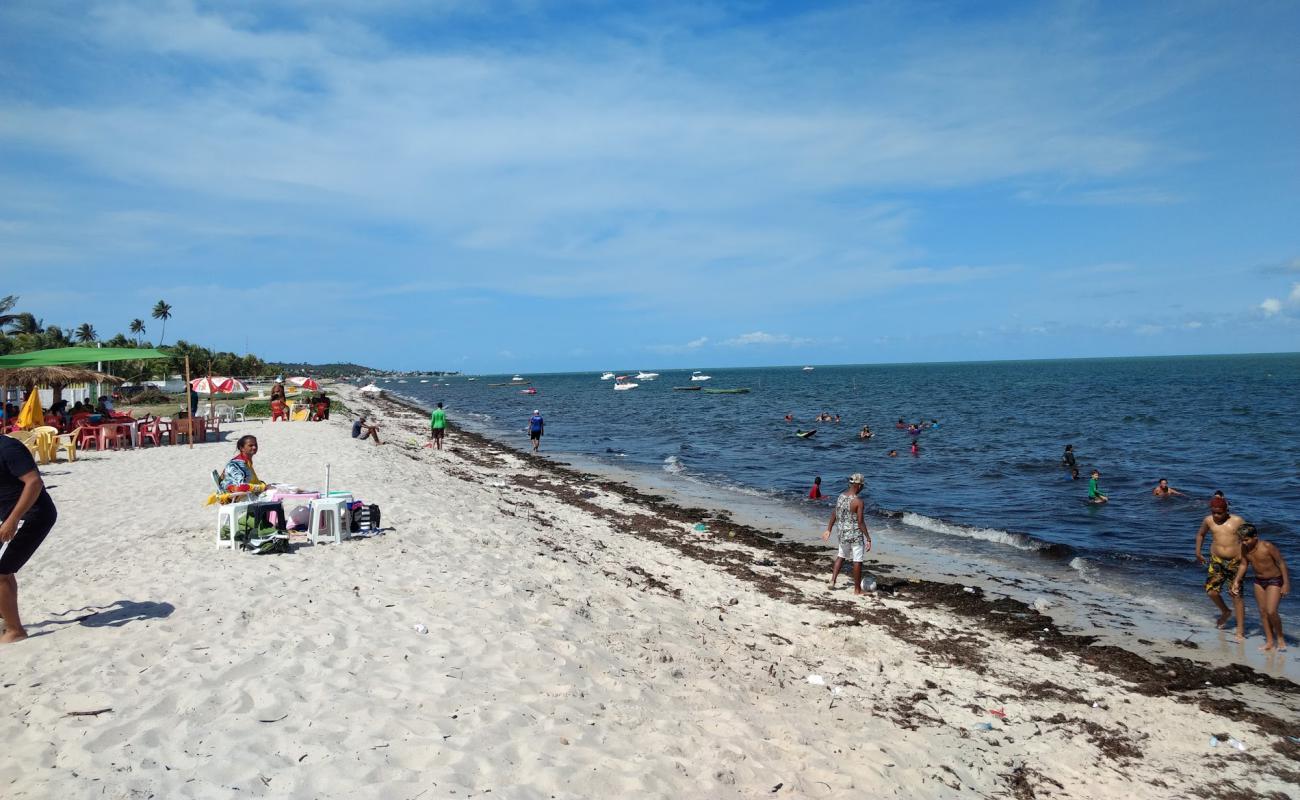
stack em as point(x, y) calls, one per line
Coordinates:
point(848, 522)
point(535, 425)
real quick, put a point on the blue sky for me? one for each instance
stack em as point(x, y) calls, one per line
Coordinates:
point(551, 186)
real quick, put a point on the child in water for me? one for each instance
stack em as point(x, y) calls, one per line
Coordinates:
point(815, 493)
point(1094, 492)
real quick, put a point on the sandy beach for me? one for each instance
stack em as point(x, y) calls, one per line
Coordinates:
point(583, 640)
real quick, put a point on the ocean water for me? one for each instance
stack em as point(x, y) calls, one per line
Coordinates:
point(988, 481)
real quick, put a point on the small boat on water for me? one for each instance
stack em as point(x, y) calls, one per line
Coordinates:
point(608, 376)
point(739, 390)
point(517, 379)
point(647, 376)
point(687, 388)
point(700, 376)
point(424, 380)
point(471, 379)
point(623, 383)
point(529, 390)
point(807, 369)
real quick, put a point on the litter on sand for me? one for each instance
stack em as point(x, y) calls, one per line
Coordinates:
point(1000, 713)
point(984, 726)
point(816, 680)
point(420, 628)
point(1237, 744)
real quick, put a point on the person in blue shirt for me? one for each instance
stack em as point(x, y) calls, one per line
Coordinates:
point(535, 427)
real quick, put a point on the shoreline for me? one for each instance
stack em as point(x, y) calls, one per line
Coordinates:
point(1086, 611)
point(525, 630)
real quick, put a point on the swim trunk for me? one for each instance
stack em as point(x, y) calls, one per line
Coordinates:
point(1264, 583)
point(535, 435)
point(1221, 569)
point(853, 549)
point(437, 433)
point(36, 523)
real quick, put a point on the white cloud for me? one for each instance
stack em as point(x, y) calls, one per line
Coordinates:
point(1271, 306)
point(762, 338)
point(1294, 297)
point(700, 342)
point(1149, 330)
point(1193, 325)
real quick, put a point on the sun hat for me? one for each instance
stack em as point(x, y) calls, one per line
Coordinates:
point(856, 479)
point(1219, 504)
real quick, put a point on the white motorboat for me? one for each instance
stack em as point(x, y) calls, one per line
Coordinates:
point(647, 376)
point(807, 369)
point(516, 379)
point(700, 376)
point(608, 376)
point(623, 386)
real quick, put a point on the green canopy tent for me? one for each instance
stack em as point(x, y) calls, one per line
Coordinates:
point(77, 355)
point(59, 356)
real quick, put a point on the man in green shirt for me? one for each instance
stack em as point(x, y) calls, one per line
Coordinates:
point(438, 422)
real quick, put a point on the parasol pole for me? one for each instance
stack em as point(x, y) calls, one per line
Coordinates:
point(189, 402)
point(210, 392)
point(327, 481)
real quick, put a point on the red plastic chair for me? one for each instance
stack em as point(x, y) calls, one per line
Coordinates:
point(151, 430)
point(89, 436)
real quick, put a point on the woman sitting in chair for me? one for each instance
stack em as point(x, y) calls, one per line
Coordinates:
point(239, 475)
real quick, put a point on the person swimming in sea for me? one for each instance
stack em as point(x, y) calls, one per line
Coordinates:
point(900, 424)
point(893, 454)
point(1067, 458)
point(815, 493)
point(1163, 489)
point(865, 433)
point(1095, 495)
point(916, 448)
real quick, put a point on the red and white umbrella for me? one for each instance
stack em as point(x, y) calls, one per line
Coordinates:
point(305, 383)
point(216, 385)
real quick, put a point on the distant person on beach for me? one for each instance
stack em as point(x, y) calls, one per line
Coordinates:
point(1095, 495)
point(1272, 582)
point(1067, 459)
point(1163, 489)
point(438, 425)
point(536, 426)
point(854, 538)
point(1225, 560)
point(22, 499)
point(360, 430)
point(815, 493)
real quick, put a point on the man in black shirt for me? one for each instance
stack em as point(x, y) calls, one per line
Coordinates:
point(23, 499)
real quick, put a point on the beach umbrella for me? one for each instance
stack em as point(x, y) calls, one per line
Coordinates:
point(32, 415)
point(217, 385)
point(305, 383)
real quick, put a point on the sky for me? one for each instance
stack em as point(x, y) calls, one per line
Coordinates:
point(528, 186)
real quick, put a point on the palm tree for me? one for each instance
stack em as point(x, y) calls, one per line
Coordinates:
point(86, 333)
point(162, 311)
point(137, 328)
point(6, 305)
point(26, 322)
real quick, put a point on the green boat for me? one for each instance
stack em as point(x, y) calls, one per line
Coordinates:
point(687, 388)
point(743, 390)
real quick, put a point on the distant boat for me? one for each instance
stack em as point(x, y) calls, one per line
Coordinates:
point(517, 379)
point(740, 390)
point(471, 379)
point(607, 376)
point(647, 376)
point(700, 376)
point(529, 390)
point(807, 369)
point(687, 388)
point(622, 384)
point(424, 380)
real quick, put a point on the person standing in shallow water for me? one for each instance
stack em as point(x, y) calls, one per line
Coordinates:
point(1225, 560)
point(1272, 582)
point(855, 540)
point(536, 426)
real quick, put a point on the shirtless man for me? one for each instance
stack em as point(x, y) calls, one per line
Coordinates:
point(1163, 489)
point(1271, 583)
point(1225, 560)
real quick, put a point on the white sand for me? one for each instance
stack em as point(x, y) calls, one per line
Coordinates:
point(549, 669)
